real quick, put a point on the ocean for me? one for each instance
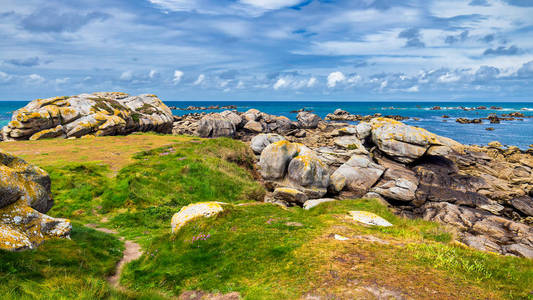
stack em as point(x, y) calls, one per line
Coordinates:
point(512, 133)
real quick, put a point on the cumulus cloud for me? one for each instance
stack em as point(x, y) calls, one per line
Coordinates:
point(200, 79)
point(35, 79)
point(126, 75)
point(334, 78)
point(153, 74)
point(281, 83)
point(311, 82)
point(4, 77)
point(177, 76)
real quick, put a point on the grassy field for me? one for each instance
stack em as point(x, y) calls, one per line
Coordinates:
point(260, 250)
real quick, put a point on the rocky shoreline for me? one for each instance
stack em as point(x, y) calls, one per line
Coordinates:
point(486, 193)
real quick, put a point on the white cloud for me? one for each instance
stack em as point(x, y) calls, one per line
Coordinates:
point(200, 79)
point(281, 83)
point(413, 89)
point(62, 80)
point(271, 4)
point(449, 77)
point(312, 82)
point(177, 76)
point(35, 79)
point(334, 78)
point(153, 74)
point(127, 75)
point(4, 77)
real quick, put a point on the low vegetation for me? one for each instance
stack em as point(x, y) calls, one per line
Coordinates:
point(260, 250)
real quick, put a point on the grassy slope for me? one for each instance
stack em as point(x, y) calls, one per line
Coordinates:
point(251, 249)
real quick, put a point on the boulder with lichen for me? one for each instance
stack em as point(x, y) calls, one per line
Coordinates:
point(95, 114)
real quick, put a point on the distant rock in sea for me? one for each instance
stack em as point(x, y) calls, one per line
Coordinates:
point(88, 114)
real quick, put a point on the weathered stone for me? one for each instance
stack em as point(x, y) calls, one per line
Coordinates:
point(308, 120)
point(260, 141)
point(483, 230)
point(232, 117)
point(523, 204)
point(315, 202)
point(307, 170)
point(24, 196)
point(215, 125)
point(350, 142)
point(101, 113)
point(193, 211)
point(358, 174)
point(397, 183)
point(290, 195)
point(275, 159)
point(401, 142)
point(369, 218)
point(254, 126)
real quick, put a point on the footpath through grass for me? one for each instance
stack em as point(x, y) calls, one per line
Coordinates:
point(260, 250)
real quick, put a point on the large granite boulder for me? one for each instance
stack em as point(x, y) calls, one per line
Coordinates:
point(96, 114)
point(216, 125)
point(401, 142)
point(294, 165)
point(261, 141)
point(398, 183)
point(357, 175)
point(24, 198)
point(308, 120)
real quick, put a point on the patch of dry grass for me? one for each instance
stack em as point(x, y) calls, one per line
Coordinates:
point(114, 151)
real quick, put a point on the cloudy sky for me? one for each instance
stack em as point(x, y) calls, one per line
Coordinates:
point(269, 49)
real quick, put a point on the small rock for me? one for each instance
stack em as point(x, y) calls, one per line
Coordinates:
point(193, 211)
point(308, 120)
point(315, 202)
point(369, 218)
point(340, 237)
point(290, 195)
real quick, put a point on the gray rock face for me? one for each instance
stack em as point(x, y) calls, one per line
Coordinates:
point(308, 120)
point(357, 175)
point(254, 126)
point(98, 114)
point(309, 172)
point(290, 195)
point(398, 182)
point(260, 141)
point(401, 142)
point(24, 196)
point(232, 117)
point(275, 159)
point(523, 204)
point(350, 142)
point(20, 180)
point(215, 125)
point(483, 230)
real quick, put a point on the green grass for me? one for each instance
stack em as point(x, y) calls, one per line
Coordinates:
point(251, 249)
point(62, 269)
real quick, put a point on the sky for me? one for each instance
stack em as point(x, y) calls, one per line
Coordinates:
point(449, 50)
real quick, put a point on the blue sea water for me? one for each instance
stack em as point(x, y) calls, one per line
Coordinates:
point(516, 133)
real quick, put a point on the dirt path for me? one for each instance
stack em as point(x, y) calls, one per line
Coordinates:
point(131, 252)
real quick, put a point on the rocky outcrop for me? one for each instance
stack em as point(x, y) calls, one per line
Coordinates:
point(294, 167)
point(24, 198)
point(89, 114)
point(216, 125)
point(486, 193)
point(401, 142)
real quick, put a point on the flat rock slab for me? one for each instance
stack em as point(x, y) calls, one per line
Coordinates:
point(369, 218)
point(193, 211)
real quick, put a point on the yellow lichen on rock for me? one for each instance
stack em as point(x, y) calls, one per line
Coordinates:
point(193, 211)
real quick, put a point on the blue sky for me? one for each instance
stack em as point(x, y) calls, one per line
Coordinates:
point(269, 49)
